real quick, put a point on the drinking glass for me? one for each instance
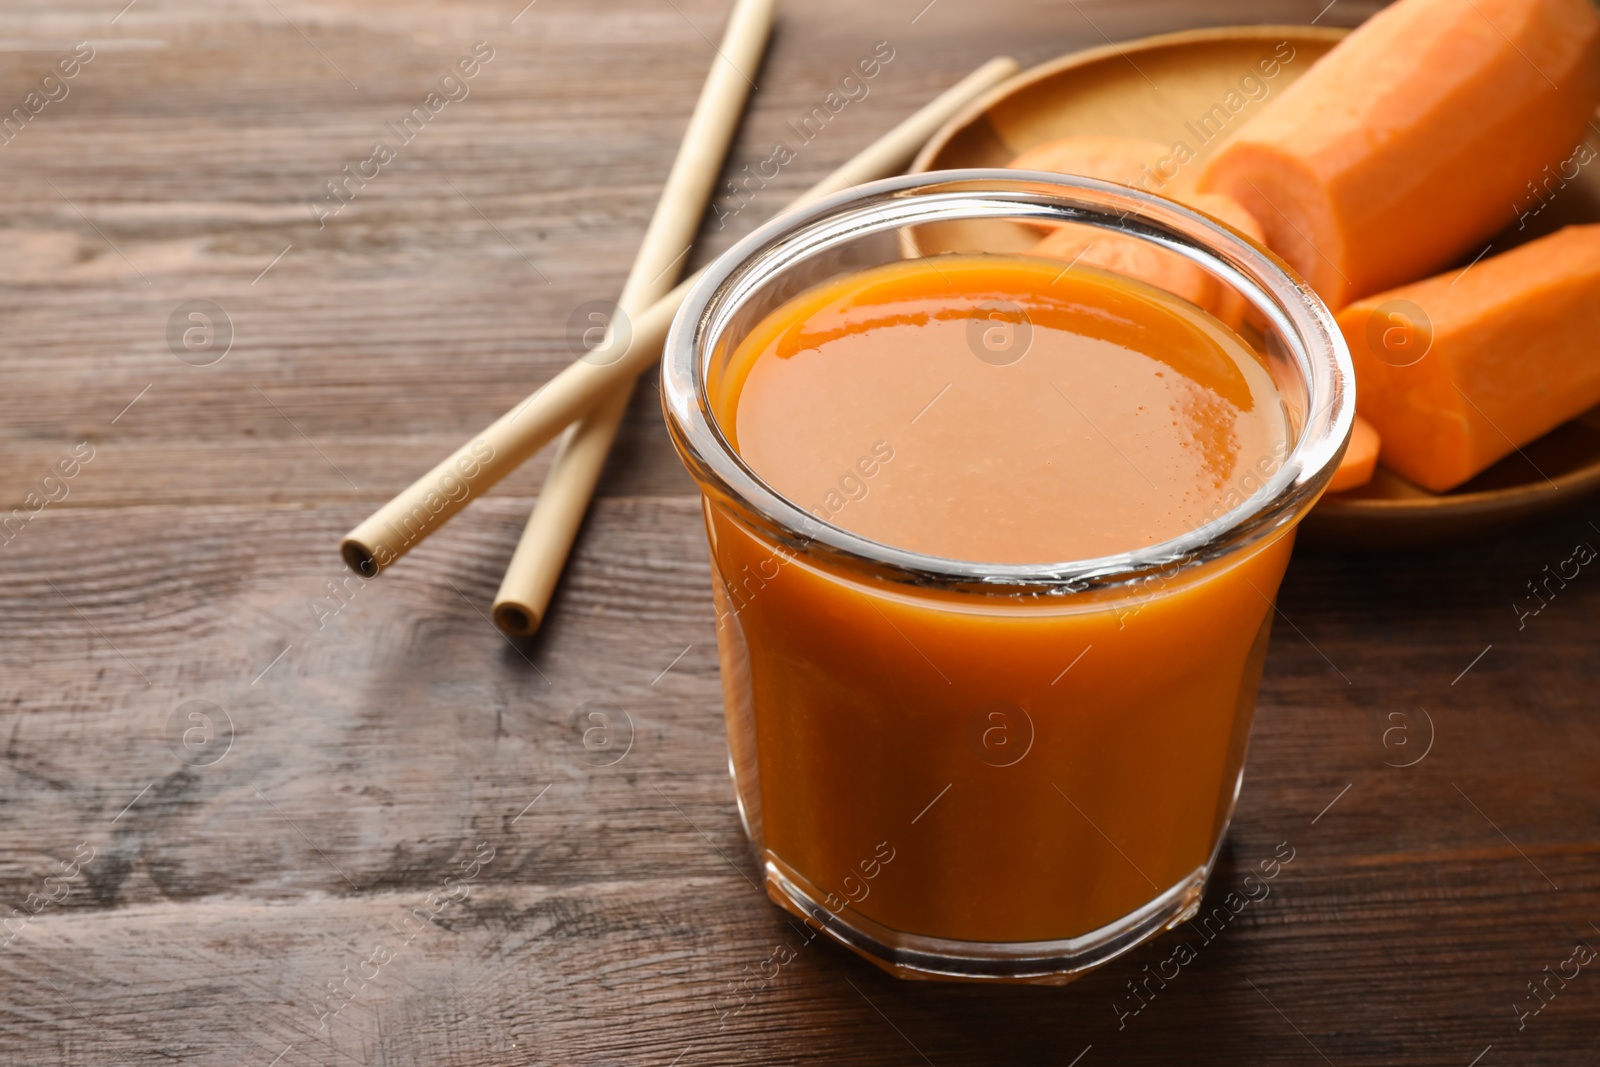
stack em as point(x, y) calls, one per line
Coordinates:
point(993, 771)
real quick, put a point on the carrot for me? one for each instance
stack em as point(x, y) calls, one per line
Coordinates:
point(1360, 458)
point(1406, 146)
point(1457, 371)
point(1148, 263)
point(1127, 161)
point(1225, 208)
point(1124, 160)
point(1133, 257)
point(1224, 303)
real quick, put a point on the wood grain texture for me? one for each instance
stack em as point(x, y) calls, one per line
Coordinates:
point(383, 739)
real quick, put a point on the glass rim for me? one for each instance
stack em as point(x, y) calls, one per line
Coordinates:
point(1303, 323)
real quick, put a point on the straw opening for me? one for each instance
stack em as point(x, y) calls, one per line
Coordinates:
point(358, 558)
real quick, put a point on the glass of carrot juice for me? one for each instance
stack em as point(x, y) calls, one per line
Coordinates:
point(995, 534)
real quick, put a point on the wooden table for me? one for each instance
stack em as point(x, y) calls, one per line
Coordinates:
point(236, 782)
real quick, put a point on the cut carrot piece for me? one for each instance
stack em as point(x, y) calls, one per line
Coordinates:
point(1132, 257)
point(1225, 208)
point(1360, 458)
point(1124, 160)
point(1407, 146)
point(1145, 262)
point(1224, 303)
point(1458, 371)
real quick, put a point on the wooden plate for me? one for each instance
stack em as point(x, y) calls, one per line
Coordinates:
point(1159, 88)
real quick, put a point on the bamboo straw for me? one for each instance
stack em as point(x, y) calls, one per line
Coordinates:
point(498, 449)
point(535, 567)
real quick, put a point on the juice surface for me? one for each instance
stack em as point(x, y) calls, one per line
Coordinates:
point(1000, 409)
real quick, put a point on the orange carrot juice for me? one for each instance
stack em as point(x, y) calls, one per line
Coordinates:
point(983, 767)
